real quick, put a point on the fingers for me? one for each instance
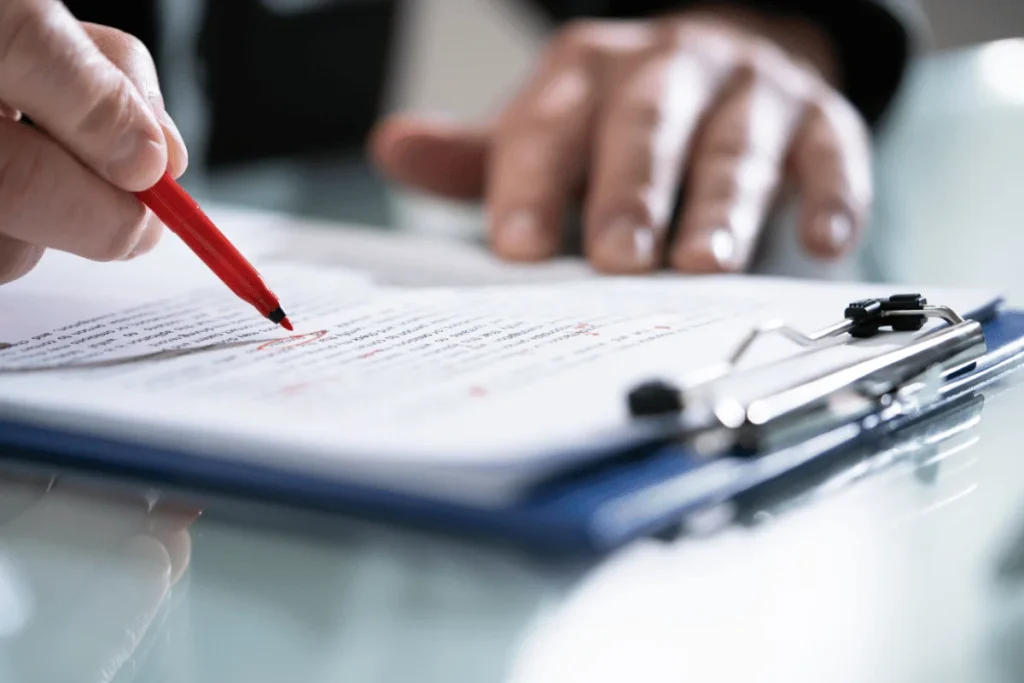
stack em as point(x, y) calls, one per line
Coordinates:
point(734, 175)
point(47, 198)
point(17, 258)
point(641, 146)
point(447, 159)
point(89, 578)
point(52, 71)
point(831, 158)
point(538, 158)
point(133, 59)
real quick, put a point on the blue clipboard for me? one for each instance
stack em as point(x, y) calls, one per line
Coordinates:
point(650, 491)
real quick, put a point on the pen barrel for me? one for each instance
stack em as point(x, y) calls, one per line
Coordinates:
point(183, 216)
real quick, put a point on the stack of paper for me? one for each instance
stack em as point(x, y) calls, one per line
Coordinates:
point(416, 366)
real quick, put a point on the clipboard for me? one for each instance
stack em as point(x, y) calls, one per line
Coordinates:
point(703, 458)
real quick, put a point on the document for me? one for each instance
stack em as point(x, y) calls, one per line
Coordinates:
point(443, 387)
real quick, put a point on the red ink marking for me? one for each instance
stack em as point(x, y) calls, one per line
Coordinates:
point(294, 340)
point(477, 392)
point(595, 334)
point(583, 326)
point(292, 389)
point(370, 354)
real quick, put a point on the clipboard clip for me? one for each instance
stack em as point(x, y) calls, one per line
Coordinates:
point(715, 420)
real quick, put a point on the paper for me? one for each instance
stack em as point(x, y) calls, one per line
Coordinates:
point(466, 391)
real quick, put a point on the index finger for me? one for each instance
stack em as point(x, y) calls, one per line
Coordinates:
point(831, 158)
point(51, 70)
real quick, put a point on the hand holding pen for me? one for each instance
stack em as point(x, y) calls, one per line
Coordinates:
point(100, 142)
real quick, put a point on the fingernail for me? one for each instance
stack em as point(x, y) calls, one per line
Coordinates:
point(177, 152)
point(709, 252)
point(520, 236)
point(834, 230)
point(625, 246)
point(722, 246)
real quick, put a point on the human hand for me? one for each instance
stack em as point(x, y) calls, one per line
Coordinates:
point(101, 132)
point(83, 577)
point(722, 108)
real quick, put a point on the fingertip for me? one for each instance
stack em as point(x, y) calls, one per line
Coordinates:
point(148, 237)
point(382, 141)
point(623, 246)
point(137, 161)
point(398, 135)
point(706, 252)
point(177, 152)
point(443, 159)
point(521, 236)
point(828, 234)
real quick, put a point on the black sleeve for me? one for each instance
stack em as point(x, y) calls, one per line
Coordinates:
point(875, 38)
point(138, 17)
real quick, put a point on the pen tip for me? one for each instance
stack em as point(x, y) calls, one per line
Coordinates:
point(279, 317)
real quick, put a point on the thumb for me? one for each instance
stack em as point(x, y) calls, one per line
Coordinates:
point(443, 158)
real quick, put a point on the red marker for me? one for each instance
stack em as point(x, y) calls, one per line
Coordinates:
point(182, 215)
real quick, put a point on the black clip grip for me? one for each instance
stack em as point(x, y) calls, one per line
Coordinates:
point(869, 315)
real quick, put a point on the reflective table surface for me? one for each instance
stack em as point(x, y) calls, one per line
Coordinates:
point(900, 565)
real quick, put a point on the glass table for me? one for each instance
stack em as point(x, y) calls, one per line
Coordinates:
point(907, 565)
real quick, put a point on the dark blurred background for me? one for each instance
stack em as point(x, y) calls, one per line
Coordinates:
point(948, 160)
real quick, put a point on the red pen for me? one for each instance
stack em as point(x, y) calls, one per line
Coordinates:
point(180, 213)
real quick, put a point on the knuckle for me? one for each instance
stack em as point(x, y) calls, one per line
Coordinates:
point(129, 54)
point(643, 113)
point(134, 49)
point(845, 118)
point(727, 144)
point(820, 148)
point(715, 182)
point(111, 110)
point(816, 112)
point(114, 43)
point(517, 128)
point(769, 57)
point(22, 31)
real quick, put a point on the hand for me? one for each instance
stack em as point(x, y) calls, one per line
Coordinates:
point(722, 107)
point(82, 579)
point(100, 133)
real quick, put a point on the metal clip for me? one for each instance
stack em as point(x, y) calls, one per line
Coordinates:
point(900, 379)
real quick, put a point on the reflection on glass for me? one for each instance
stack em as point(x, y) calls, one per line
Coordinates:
point(922, 447)
point(1001, 68)
point(83, 578)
